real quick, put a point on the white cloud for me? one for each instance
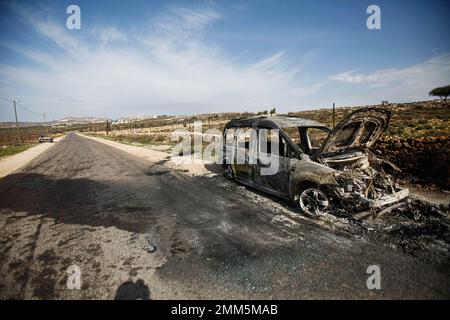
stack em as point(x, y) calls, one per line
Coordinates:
point(168, 69)
point(407, 84)
point(109, 34)
point(435, 69)
point(195, 19)
point(38, 19)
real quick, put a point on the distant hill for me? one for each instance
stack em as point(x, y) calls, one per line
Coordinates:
point(79, 120)
point(67, 121)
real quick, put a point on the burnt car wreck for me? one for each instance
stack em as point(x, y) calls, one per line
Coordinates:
point(319, 168)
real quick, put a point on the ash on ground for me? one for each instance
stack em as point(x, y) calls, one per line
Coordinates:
point(418, 228)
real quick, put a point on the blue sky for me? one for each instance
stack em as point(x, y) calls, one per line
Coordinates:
point(184, 57)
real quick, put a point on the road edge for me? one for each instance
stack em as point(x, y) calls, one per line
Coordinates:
point(13, 163)
point(193, 169)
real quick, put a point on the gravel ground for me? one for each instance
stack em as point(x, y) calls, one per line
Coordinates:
point(141, 228)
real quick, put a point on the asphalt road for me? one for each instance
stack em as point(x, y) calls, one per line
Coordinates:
point(137, 229)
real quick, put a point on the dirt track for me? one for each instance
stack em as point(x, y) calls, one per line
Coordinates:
point(87, 204)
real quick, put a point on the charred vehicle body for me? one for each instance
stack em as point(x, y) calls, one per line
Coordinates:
point(317, 167)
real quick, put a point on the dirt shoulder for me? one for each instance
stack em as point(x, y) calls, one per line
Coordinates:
point(12, 163)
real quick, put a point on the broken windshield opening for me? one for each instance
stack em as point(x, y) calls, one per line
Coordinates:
point(316, 137)
point(346, 136)
point(369, 128)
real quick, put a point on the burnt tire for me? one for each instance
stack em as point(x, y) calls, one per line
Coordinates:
point(313, 201)
point(228, 172)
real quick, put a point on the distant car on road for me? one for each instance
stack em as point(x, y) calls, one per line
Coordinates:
point(318, 168)
point(45, 138)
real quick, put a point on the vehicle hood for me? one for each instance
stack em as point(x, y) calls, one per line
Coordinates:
point(360, 129)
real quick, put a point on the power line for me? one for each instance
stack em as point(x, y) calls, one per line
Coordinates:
point(6, 99)
point(22, 106)
point(16, 103)
point(27, 109)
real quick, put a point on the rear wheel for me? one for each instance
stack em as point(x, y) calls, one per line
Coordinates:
point(314, 202)
point(229, 172)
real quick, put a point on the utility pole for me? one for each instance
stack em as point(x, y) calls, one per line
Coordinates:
point(334, 114)
point(46, 129)
point(17, 122)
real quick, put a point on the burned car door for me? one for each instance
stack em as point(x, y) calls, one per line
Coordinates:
point(244, 146)
point(272, 171)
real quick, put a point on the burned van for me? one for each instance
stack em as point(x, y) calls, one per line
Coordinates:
point(314, 166)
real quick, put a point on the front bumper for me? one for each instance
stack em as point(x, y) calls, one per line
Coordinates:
point(388, 199)
point(358, 201)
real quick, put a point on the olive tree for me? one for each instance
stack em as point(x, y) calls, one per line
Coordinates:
point(441, 92)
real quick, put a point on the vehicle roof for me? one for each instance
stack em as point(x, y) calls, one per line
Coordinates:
point(279, 121)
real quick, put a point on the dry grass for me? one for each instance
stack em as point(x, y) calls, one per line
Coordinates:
point(409, 120)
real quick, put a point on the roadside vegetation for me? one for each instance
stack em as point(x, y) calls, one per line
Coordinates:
point(13, 149)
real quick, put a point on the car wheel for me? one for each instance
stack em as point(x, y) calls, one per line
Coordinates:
point(229, 172)
point(314, 202)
